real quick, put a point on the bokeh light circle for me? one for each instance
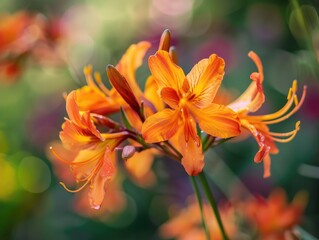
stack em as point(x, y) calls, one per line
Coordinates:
point(8, 183)
point(34, 175)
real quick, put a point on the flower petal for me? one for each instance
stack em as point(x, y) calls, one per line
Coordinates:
point(105, 174)
point(153, 100)
point(253, 97)
point(97, 191)
point(165, 71)
point(170, 97)
point(161, 126)
point(130, 61)
point(193, 157)
point(72, 108)
point(267, 163)
point(205, 79)
point(217, 120)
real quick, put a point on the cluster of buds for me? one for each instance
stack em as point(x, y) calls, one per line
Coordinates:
point(176, 115)
point(24, 35)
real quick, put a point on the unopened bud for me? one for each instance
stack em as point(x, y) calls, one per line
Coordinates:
point(173, 54)
point(165, 41)
point(128, 152)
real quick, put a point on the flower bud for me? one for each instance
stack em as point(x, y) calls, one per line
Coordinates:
point(128, 152)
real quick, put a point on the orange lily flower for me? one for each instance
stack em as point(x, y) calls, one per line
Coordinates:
point(113, 204)
point(190, 100)
point(186, 224)
point(250, 101)
point(96, 97)
point(274, 217)
point(12, 27)
point(94, 159)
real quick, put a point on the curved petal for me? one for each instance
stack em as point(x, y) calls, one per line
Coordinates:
point(130, 61)
point(161, 126)
point(266, 144)
point(193, 157)
point(205, 79)
point(170, 97)
point(89, 99)
point(72, 108)
point(253, 98)
point(217, 120)
point(153, 100)
point(97, 191)
point(165, 71)
point(74, 136)
point(267, 163)
point(105, 174)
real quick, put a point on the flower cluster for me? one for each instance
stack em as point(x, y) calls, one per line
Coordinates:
point(24, 35)
point(267, 219)
point(176, 115)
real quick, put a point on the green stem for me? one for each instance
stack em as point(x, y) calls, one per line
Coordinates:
point(200, 203)
point(213, 204)
point(208, 142)
point(178, 154)
point(302, 23)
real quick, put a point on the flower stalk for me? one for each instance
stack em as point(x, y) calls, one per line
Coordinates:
point(200, 204)
point(212, 203)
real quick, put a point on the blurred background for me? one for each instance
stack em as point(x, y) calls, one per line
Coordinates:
point(33, 79)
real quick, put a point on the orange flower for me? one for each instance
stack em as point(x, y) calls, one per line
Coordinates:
point(274, 217)
point(94, 159)
point(113, 204)
point(250, 101)
point(186, 225)
point(12, 28)
point(97, 98)
point(190, 100)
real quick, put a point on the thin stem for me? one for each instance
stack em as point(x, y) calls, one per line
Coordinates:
point(200, 203)
point(174, 149)
point(138, 138)
point(208, 142)
point(213, 204)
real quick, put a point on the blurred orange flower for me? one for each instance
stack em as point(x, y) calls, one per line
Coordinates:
point(186, 225)
point(256, 218)
point(25, 35)
point(274, 218)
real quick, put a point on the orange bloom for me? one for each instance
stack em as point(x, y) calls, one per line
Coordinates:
point(274, 217)
point(187, 224)
point(190, 100)
point(250, 101)
point(115, 201)
point(94, 160)
point(97, 98)
point(12, 28)
point(125, 94)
